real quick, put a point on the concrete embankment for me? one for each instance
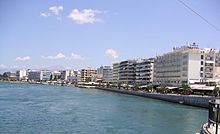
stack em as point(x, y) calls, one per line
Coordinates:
point(193, 100)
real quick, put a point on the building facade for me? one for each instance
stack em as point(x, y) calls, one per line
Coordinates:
point(88, 75)
point(115, 72)
point(65, 74)
point(127, 72)
point(144, 71)
point(11, 75)
point(34, 75)
point(217, 65)
point(185, 65)
point(21, 74)
point(56, 75)
point(105, 73)
point(45, 75)
point(74, 77)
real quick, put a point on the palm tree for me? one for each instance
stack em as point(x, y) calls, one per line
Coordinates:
point(216, 91)
point(186, 89)
point(163, 89)
point(119, 85)
point(136, 87)
point(88, 79)
point(148, 88)
point(107, 85)
point(127, 86)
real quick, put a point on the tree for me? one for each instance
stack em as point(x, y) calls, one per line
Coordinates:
point(107, 85)
point(149, 88)
point(88, 79)
point(127, 86)
point(216, 91)
point(136, 87)
point(162, 89)
point(119, 85)
point(186, 89)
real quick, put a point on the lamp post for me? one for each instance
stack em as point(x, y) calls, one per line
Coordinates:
point(214, 106)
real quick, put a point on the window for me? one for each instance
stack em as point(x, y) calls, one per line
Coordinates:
point(185, 56)
point(201, 69)
point(201, 62)
point(202, 56)
point(201, 74)
point(184, 62)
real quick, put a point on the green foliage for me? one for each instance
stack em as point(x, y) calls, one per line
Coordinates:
point(162, 89)
point(127, 86)
point(136, 87)
point(119, 85)
point(186, 89)
point(216, 91)
point(88, 79)
point(107, 85)
point(148, 88)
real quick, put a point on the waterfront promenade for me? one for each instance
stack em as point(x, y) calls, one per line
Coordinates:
point(193, 100)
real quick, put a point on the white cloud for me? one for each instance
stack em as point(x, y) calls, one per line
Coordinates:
point(73, 56)
point(55, 10)
point(2, 66)
point(84, 16)
point(56, 57)
point(25, 58)
point(44, 15)
point(111, 53)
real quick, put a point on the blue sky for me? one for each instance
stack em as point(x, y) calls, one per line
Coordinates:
point(76, 34)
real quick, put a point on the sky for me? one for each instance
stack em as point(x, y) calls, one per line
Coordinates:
point(89, 33)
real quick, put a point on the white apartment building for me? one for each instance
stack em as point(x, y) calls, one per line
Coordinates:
point(115, 72)
point(21, 74)
point(185, 65)
point(144, 71)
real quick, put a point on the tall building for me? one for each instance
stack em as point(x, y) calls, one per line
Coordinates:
point(88, 75)
point(115, 72)
point(34, 75)
point(21, 74)
point(144, 71)
point(185, 65)
point(105, 73)
point(127, 72)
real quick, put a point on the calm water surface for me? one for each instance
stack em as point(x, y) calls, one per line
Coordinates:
point(45, 109)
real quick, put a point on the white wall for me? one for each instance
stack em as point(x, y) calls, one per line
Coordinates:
point(194, 65)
